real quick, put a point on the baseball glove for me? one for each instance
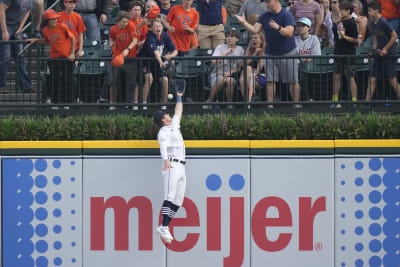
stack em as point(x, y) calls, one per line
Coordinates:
point(179, 85)
point(252, 19)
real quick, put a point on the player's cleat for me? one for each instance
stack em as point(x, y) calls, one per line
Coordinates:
point(165, 234)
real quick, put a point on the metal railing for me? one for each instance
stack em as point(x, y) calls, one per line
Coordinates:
point(85, 85)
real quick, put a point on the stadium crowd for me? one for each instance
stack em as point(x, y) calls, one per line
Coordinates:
point(275, 32)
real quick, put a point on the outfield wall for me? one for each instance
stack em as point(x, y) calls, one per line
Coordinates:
point(248, 203)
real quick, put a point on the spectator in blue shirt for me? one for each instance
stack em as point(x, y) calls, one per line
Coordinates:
point(158, 44)
point(211, 28)
point(384, 41)
point(278, 25)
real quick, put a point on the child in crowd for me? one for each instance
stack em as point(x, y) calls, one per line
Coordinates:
point(62, 42)
point(384, 41)
point(160, 46)
point(182, 24)
point(226, 70)
point(346, 41)
point(123, 39)
point(74, 23)
point(254, 66)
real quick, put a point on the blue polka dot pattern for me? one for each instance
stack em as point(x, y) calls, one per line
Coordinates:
point(359, 165)
point(56, 180)
point(56, 164)
point(32, 190)
point(41, 230)
point(236, 182)
point(41, 246)
point(40, 165)
point(375, 229)
point(41, 181)
point(375, 180)
point(375, 164)
point(57, 261)
point(42, 261)
point(359, 181)
point(359, 230)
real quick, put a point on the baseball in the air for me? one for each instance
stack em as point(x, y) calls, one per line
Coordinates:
point(170, 96)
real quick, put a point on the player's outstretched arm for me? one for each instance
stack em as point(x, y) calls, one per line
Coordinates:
point(179, 105)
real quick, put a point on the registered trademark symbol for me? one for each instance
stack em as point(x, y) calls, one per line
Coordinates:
point(318, 246)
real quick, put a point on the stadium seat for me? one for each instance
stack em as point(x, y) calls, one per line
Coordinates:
point(90, 47)
point(362, 63)
point(104, 31)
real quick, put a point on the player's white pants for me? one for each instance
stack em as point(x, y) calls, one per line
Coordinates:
point(175, 183)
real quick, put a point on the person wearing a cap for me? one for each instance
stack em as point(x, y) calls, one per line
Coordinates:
point(226, 71)
point(62, 42)
point(307, 44)
point(308, 9)
point(13, 15)
point(172, 150)
point(74, 23)
point(278, 25)
point(123, 39)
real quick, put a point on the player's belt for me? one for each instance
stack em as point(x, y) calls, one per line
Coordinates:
point(177, 160)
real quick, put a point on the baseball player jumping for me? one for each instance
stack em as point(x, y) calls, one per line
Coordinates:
point(172, 149)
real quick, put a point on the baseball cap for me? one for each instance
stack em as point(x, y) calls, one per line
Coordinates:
point(50, 14)
point(118, 61)
point(304, 21)
point(153, 12)
point(159, 116)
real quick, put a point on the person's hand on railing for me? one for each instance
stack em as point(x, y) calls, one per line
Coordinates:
point(115, 2)
point(167, 57)
point(34, 40)
point(71, 57)
point(103, 18)
point(79, 53)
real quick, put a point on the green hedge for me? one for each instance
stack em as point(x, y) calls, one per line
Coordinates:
point(208, 127)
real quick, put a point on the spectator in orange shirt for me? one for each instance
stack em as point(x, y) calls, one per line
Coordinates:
point(74, 23)
point(390, 12)
point(123, 39)
point(62, 42)
point(182, 25)
point(135, 10)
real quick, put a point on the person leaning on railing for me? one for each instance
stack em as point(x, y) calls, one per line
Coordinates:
point(123, 40)
point(159, 46)
point(384, 44)
point(62, 42)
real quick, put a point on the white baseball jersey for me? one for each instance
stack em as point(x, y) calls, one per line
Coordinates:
point(171, 141)
point(173, 147)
